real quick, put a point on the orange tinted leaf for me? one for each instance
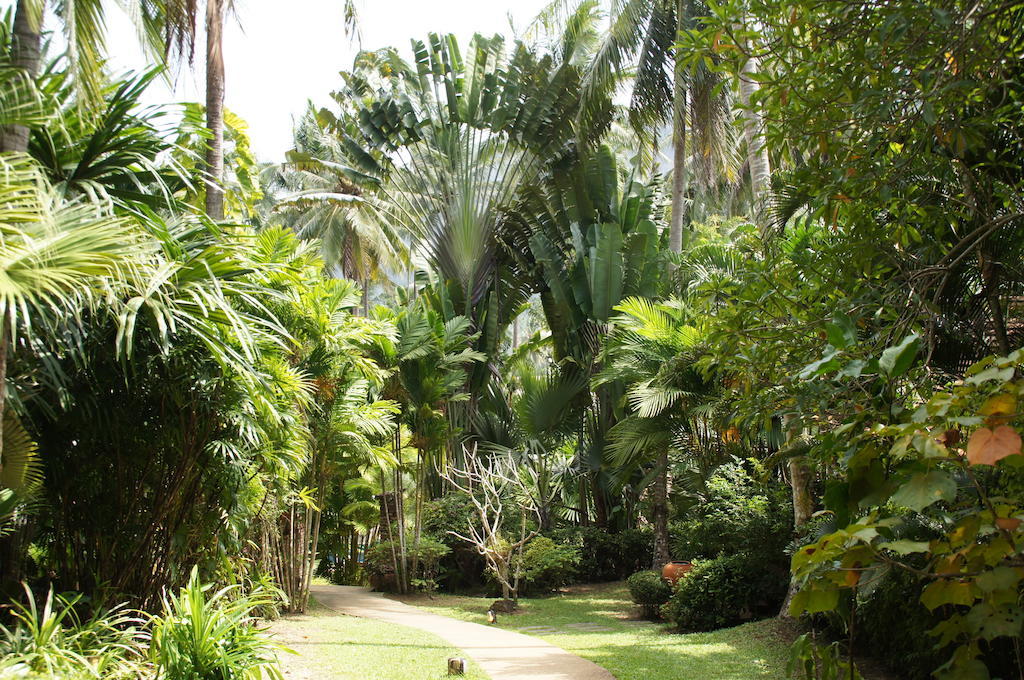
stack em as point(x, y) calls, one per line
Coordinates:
point(987, 447)
point(1008, 523)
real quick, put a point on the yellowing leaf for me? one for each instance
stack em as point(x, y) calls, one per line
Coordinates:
point(998, 408)
point(987, 447)
point(943, 592)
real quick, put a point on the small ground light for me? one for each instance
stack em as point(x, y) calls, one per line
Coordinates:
point(456, 666)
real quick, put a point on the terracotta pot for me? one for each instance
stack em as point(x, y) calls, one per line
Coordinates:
point(675, 570)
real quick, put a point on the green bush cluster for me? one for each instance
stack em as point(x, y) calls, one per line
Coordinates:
point(608, 556)
point(734, 512)
point(427, 554)
point(649, 590)
point(547, 565)
point(737, 536)
point(727, 591)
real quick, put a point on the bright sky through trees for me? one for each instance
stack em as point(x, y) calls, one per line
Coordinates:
point(280, 54)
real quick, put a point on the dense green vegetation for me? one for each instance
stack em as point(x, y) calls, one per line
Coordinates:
point(732, 282)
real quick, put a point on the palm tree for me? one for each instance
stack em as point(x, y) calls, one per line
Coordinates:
point(452, 140)
point(83, 23)
point(319, 197)
point(527, 422)
point(347, 425)
point(642, 34)
point(654, 348)
point(430, 359)
point(178, 20)
point(589, 236)
point(55, 257)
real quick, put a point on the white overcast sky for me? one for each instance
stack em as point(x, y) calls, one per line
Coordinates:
point(281, 53)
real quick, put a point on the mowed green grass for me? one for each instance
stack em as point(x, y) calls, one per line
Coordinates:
point(331, 646)
point(633, 649)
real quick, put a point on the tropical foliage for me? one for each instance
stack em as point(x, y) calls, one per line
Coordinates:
point(735, 282)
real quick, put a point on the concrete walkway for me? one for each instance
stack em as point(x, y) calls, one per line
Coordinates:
point(502, 654)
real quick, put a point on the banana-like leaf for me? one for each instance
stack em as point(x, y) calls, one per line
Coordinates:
point(605, 271)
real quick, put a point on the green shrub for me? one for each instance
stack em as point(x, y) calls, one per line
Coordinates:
point(380, 563)
point(463, 568)
point(546, 565)
point(608, 556)
point(55, 642)
point(893, 624)
point(203, 636)
point(649, 590)
point(735, 511)
point(727, 591)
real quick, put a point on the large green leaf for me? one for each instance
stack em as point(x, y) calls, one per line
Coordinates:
point(896, 360)
point(924, 489)
point(605, 271)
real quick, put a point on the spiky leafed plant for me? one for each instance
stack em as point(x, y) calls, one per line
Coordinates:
point(117, 152)
point(655, 350)
point(452, 140)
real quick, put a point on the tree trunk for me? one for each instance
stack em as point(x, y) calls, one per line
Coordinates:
point(5, 340)
point(675, 233)
point(660, 512)
point(757, 152)
point(26, 51)
point(600, 500)
point(800, 477)
point(215, 108)
point(990, 282)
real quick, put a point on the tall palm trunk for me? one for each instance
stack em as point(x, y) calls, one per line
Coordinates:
point(675, 232)
point(26, 55)
point(215, 108)
point(660, 512)
point(757, 151)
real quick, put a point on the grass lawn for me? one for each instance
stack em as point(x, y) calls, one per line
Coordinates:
point(633, 649)
point(333, 646)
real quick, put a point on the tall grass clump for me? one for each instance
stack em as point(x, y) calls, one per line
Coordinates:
point(206, 635)
point(55, 641)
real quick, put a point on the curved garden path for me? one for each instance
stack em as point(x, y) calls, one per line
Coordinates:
point(502, 654)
